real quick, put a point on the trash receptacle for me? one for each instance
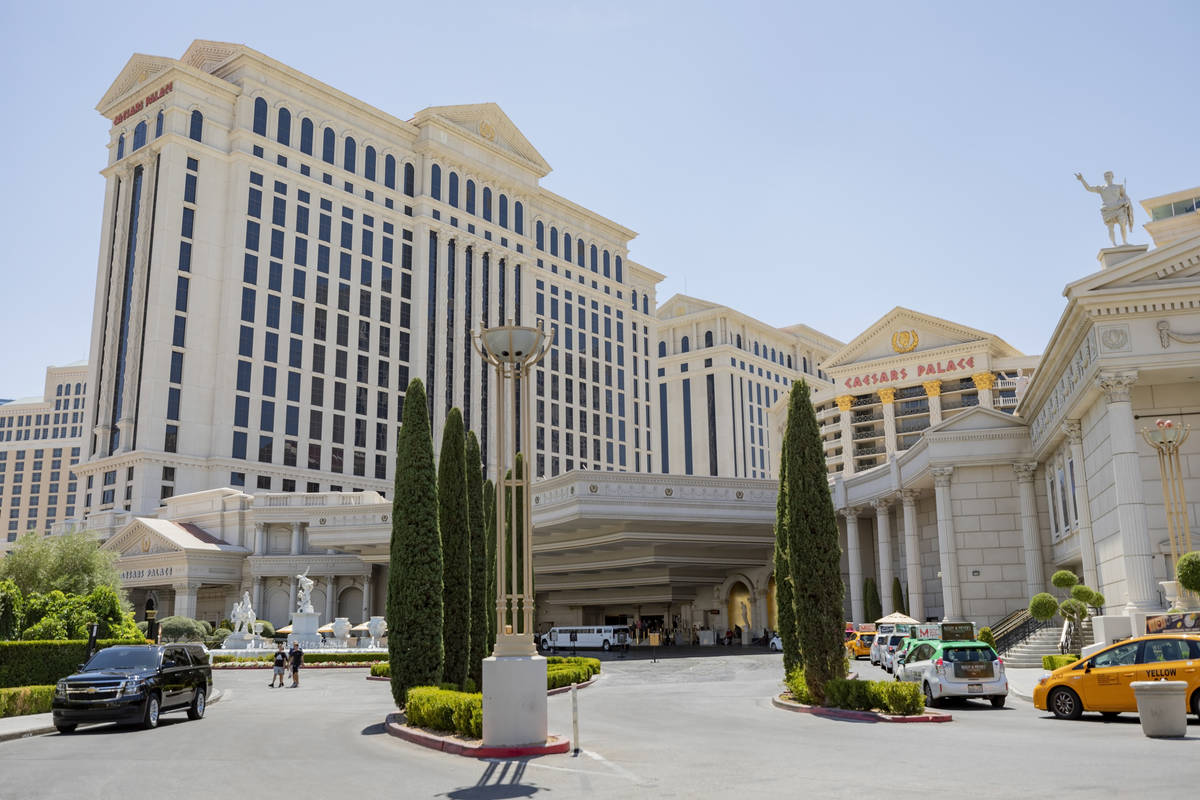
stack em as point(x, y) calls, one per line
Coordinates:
point(1162, 707)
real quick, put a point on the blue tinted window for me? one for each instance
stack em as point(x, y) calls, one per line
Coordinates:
point(120, 147)
point(619, 276)
point(327, 143)
point(239, 447)
point(349, 153)
point(241, 411)
point(196, 131)
point(306, 136)
point(246, 342)
point(579, 251)
point(260, 116)
point(566, 246)
point(452, 190)
point(158, 125)
point(189, 189)
point(503, 211)
point(181, 293)
point(470, 197)
point(662, 349)
point(177, 339)
point(243, 376)
point(606, 262)
point(248, 301)
point(595, 265)
point(553, 241)
point(435, 182)
point(283, 130)
point(487, 204)
point(189, 218)
point(139, 136)
point(369, 163)
point(389, 172)
point(410, 176)
point(539, 232)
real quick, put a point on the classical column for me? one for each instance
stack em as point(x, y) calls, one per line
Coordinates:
point(1127, 479)
point(845, 403)
point(297, 539)
point(185, 599)
point(329, 594)
point(854, 555)
point(258, 595)
point(291, 609)
point(1035, 577)
point(888, 398)
point(1083, 510)
point(912, 555)
point(260, 539)
point(366, 597)
point(984, 381)
point(883, 531)
point(933, 391)
point(947, 545)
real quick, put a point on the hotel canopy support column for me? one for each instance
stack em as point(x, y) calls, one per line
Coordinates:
point(947, 545)
point(912, 555)
point(883, 531)
point(854, 556)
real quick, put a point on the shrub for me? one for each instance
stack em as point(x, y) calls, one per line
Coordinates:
point(888, 696)
point(565, 675)
point(851, 694)
point(592, 664)
point(12, 610)
point(904, 699)
point(25, 700)
point(799, 687)
point(38, 663)
point(1187, 570)
point(207, 626)
point(1043, 606)
point(1064, 579)
point(268, 630)
point(1057, 662)
point(383, 670)
point(181, 629)
point(445, 710)
point(1082, 593)
point(985, 635)
point(217, 638)
point(1098, 600)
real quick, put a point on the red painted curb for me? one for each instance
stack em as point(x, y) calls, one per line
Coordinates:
point(446, 744)
point(861, 716)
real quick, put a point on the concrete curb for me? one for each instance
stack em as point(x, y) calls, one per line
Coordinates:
point(549, 692)
point(458, 747)
point(39, 730)
point(858, 716)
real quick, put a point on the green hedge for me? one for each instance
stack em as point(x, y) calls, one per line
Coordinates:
point(25, 700)
point(592, 664)
point(565, 675)
point(309, 658)
point(798, 686)
point(383, 670)
point(41, 663)
point(445, 710)
point(1055, 662)
point(891, 697)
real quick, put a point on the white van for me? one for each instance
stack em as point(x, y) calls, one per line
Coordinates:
point(583, 636)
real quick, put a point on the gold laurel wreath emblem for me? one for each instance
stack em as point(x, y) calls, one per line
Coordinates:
point(904, 341)
point(487, 131)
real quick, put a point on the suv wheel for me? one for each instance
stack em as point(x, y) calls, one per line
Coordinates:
point(196, 709)
point(150, 717)
point(930, 702)
point(65, 728)
point(1065, 704)
point(998, 701)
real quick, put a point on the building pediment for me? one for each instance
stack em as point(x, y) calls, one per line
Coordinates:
point(978, 419)
point(144, 536)
point(487, 123)
point(140, 70)
point(903, 331)
point(1164, 267)
point(680, 305)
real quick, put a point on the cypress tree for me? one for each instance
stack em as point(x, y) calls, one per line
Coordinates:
point(489, 536)
point(414, 609)
point(479, 567)
point(814, 553)
point(872, 605)
point(454, 523)
point(898, 596)
point(785, 608)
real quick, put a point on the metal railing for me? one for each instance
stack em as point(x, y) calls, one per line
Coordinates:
point(1017, 627)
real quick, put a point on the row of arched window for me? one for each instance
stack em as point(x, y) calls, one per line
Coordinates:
point(771, 354)
point(195, 131)
point(467, 200)
point(601, 261)
point(645, 301)
point(307, 133)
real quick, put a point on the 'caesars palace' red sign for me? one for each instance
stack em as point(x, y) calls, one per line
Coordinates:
point(923, 371)
point(149, 99)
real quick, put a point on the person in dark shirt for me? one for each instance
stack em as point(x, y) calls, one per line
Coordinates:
point(281, 660)
point(297, 656)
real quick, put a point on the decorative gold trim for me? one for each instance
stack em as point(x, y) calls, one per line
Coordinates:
point(845, 402)
point(905, 341)
point(887, 396)
point(984, 380)
point(933, 388)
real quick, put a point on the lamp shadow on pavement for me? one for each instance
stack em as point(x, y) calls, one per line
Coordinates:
point(500, 780)
point(373, 730)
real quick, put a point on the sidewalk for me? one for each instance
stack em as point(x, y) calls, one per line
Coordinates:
point(37, 724)
point(1021, 682)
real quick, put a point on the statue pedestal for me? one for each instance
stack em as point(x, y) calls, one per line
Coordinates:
point(1110, 257)
point(304, 629)
point(514, 700)
point(238, 641)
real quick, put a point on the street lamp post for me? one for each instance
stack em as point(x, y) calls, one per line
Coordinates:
point(1166, 438)
point(514, 676)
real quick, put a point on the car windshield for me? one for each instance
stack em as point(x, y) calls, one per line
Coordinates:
point(867, 638)
point(895, 640)
point(124, 658)
point(965, 654)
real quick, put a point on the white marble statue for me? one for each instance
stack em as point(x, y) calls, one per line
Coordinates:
point(745, 616)
point(1115, 206)
point(376, 626)
point(304, 593)
point(243, 615)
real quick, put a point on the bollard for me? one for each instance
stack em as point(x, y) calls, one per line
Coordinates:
point(575, 716)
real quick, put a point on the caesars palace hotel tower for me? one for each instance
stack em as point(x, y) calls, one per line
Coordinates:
point(278, 260)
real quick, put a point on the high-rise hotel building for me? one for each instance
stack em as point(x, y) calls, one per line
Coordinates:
point(278, 259)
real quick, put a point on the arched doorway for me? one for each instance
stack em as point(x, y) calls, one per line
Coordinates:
point(278, 613)
point(740, 607)
point(350, 604)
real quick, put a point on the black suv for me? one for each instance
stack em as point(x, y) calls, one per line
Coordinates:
point(134, 683)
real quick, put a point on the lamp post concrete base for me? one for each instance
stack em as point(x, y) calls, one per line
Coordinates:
point(514, 700)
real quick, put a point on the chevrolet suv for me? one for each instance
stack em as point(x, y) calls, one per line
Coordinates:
point(134, 684)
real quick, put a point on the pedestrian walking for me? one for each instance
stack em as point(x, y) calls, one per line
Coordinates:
point(281, 660)
point(297, 658)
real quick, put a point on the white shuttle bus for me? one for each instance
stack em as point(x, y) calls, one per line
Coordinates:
point(585, 636)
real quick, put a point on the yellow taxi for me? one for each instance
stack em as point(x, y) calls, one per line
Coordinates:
point(1101, 682)
point(859, 644)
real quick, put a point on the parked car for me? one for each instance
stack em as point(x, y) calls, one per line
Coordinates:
point(859, 645)
point(776, 644)
point(134, 684)
point(956, 669)
point(1102, 681)
point(584, 636)
point(902, 653)
point(887, 649)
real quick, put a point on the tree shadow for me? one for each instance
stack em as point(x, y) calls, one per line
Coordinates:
point(374, 730)
point(500, 780)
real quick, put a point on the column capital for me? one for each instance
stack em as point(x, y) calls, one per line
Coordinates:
point(941, 475)
point(984, 380)
point(186, 586)
point(932, 388)
point(887, 396)
point(296, 526)
point(882, 504)
point(909, 496)
point(1025, 470)
point(850, 512)
point(1073, 429)
point(1117, 385)
point(845, 402)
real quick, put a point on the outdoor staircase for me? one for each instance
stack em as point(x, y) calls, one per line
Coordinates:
point(1042, 642)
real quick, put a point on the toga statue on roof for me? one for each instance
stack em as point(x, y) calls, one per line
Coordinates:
point(1115, 207)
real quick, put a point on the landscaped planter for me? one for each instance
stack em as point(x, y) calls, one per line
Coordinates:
point(786, 702)
point(1162, 707)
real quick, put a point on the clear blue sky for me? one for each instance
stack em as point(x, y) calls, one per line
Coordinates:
point(815, 163)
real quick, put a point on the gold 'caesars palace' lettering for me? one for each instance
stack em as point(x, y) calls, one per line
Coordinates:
point(149, 99)
point(891, 376)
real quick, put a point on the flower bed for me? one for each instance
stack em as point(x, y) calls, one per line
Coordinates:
point(876, 699)
point(307, 665)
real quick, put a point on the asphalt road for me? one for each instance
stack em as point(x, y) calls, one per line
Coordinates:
point(692, 727)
